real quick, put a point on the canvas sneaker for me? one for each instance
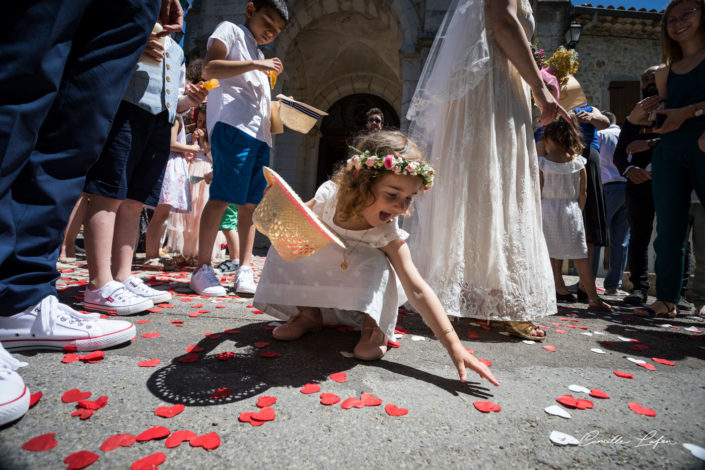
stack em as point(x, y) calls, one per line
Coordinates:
point(53, 325)
point(245, 283)
point(137, 286)
point(14, 394)
point(115, 298)
point(204, 282)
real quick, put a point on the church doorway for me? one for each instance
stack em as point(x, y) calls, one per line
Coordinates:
point(345, 119)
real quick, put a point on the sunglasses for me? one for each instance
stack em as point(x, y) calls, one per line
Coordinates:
point(375, 120)
point(673, 20)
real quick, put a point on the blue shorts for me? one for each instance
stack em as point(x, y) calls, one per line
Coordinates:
point(238, 159)
point(134, 156)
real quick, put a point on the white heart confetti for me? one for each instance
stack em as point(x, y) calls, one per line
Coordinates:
point(528, 341)
point(346, 354)
point(556, 410)
point(599, 332)
point(418, 338)
point(697, 451)
point(563, 439)
point(598, 351)
point(586, 333)
point(622, 338)
point(636, 361)
point(579, 389)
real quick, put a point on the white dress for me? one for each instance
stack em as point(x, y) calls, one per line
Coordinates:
point(562, 217)
point(368, 285)
point(176, 190)
point(477, 237)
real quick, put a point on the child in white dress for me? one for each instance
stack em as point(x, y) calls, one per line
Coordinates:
point(358, 285)
point(563, 194)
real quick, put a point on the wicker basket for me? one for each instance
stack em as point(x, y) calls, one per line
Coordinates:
point(293, 228)
point(299, 116)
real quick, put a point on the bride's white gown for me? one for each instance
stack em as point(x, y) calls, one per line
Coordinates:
point(476, 236)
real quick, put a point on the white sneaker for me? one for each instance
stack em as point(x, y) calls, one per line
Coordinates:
point(204, 282)
point(53, 325)
point(14, 394)
point(115, 298)
point(137, 286)
point(245, 282)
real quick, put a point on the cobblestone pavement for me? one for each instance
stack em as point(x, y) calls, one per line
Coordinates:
point(218, 359)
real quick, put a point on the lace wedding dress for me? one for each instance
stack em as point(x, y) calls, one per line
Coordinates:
point(476, 237)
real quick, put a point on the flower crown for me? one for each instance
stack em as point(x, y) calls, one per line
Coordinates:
point(390, 162)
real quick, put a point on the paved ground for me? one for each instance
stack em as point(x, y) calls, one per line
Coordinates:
point(442, 429)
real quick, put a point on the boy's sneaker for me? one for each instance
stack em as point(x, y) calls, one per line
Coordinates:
point(229, 266)
point(53, 325)
point(637, 297)
point(115, 298)
point(244, 282)
point(137, 286)
point(14, 394)
point(204, 282)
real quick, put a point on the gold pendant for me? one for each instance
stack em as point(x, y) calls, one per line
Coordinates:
point(343, 265)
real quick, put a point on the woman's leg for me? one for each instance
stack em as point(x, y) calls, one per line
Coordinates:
point(587, 281)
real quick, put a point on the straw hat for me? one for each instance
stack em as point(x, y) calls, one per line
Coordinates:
point(277, 127)
point(572, 94)
point(293, 228)
point(299, 116)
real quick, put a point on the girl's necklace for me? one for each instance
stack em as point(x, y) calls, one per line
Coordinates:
point(347, 253)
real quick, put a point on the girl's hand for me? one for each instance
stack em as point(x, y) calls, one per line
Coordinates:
point(548, 105)
point(194, 94)
point(154, 50)
point(268, 65)
point(463, 359)
point(674, 119)
point(208, 177)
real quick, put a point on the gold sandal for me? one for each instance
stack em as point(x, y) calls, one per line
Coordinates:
point(523, 329)
point(650, 312)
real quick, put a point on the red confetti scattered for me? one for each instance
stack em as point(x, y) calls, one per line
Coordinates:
point(265, 414)
point(231, 331)
point(220, 306)
point(370, 400)
point(486, 406)
point(178, 437)
point(257, 312)
point(266, 401)
point(329, 399)
point(393, 410)
point(208, 441)
point(247, 418)
point(165, 305)
point(118, 440)
point(169, 411)
point(261, 344)
point(194, 348)
point(597, 393)
point(473, 334)
point(149, 363)
point(80, 459)
point(155, 432)
point(352, 402)
point(198, 305)
point(270, 354)
point(192, 357)
point(646, 365)
point(549, 348)
point(70, 347)
point(640, 410)
point(639, 347)
point(74, 395)
point(663, 361)
point(624, 375)
point(470, 350)
point(393, 344)
point(93, 404)
point(310, 388)
point(572, 402)
point(151, 462)
point(221, 392)
point(177, 322)
point(41, 443)
point(34, 399)
point(142, 322)
point(154, 334)
point(486, 362)
point(154, 309)
point(70, 357)
point(401, 330)
point(339, 377)
point(83, 413)
point(559, 331)
point(212, 335)
point(224, 356)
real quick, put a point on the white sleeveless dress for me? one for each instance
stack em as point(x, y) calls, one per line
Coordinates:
point(477, 237)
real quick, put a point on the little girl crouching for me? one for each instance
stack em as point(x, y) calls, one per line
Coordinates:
point(365, 283)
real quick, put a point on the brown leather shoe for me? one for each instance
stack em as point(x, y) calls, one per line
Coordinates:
point(373, 342)
point(306, 321)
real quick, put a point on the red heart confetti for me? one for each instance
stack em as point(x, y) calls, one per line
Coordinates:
point(169, 411)
point(83, 413)
point(559, 331)
point(231, 331)
point(329, 399)
point(597, 393)
point(212, 335)
point(118, 440)
point(339, 377)
point(352, 402)
point(572, 402)
point(266, 401)
point(41, 443)
point(192, 357)
point(646, 365)
point(149, 363)
point(261, 344)
point(155, 432)
point(34, 399)
point(663, 361)
point(270, 354)
point(151, 462)
point(487, 406)
point(221, 392)
point(142, 322)
point(473, 334)
point(178, 437)
point(370, 400)
point(310, 388)
point(257, 312)
point(224, 356)
point(93, 404)
point(153, 334)
point(154, 309)
point(220, 306)
point(198, 305)
point(80, 459)
point(486, 362)
point(247, 418)
point(550, 348)
point(640, 410)
point(624, 375)
point(193, 348)
point(393, 410)
point(208, 441)
point(393, 344)
point(177, 322)
point(165, 305)
point(265, 414)
point(69, 358)
point(93, 357)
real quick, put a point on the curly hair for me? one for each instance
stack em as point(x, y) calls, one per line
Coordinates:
point(670, 50)
point(355, 187)
point(565, 134)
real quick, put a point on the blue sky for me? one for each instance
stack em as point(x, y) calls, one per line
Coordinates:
point(648, 4)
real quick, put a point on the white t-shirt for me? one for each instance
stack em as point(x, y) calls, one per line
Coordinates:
point(242, 101)
point(608, 142)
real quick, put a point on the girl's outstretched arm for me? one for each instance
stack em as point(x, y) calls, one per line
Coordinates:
point(427, 304)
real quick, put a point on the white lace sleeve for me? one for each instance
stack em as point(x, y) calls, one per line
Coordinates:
point(386, 234)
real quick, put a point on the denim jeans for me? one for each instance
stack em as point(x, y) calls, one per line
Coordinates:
point(618, 229)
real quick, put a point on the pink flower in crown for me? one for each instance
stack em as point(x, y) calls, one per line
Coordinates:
point(389, 161)
point(349, 164)
point(412, 168)
point(371, 162)
point(356, 162)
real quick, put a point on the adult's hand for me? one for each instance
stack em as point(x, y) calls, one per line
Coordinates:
point(638, 146)
point(640, 114)
point(548, 105)
point(153, 50)
point(638, 175)
point(674, 119)
point(171, 17)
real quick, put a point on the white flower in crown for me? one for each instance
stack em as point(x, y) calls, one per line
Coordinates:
point(371, 161)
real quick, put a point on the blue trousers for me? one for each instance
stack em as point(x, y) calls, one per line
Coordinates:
point(617, 217)
point(65, 65)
